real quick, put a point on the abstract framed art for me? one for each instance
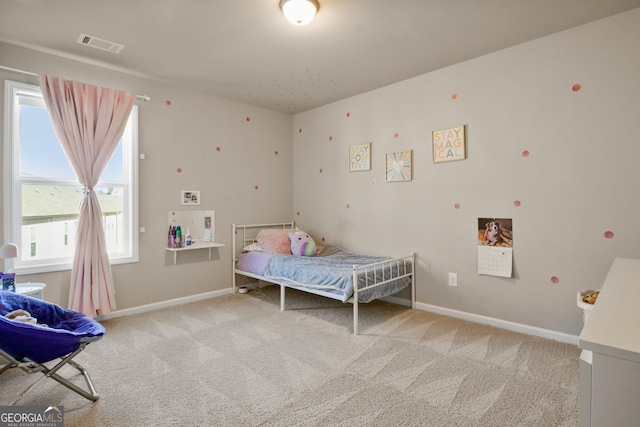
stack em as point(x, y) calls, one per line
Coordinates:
point(400, 166)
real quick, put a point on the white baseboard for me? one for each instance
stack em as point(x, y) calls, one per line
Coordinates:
point(163, 304)
point(499, 323)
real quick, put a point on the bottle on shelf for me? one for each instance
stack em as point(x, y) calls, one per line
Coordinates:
point(187, 238)
point(173, 237)
point(179, 241)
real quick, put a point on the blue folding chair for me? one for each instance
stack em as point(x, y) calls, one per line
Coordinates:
point(29, 346)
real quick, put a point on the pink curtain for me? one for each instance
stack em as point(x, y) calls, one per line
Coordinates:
point(89, 122)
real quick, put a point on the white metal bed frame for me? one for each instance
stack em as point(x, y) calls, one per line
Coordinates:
point(249, 232)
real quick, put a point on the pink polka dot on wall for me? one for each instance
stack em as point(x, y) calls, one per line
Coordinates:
point(298, 213)
point(257, 187)
point(322, 239)
point(320, 170)
point(276, 152)
point(554, 279)
point(179, 170)
point(167, 102)
point(457, 206)
point(576, 87)
point(454, 96)
point(330, 138)
point(348, 206)
point(248, 119)
point(348, 114)
point(218, 149)
point(516, 203)
point(608, 234)
point(525, 153)
point(396, 135)
point(300, 130)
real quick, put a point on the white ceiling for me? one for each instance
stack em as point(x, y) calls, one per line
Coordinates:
point(245, 49)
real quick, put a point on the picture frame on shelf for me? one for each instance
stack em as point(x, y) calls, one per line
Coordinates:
point(190, 198)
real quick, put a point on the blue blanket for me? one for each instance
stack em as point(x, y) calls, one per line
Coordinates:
point(332, 270)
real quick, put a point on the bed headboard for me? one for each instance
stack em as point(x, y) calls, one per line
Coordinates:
point(245, 234)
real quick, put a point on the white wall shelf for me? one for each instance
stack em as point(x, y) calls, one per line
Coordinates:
point(196, 244)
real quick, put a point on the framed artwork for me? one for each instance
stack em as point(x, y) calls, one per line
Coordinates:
point(190, 197)
point(360, 157)
point(399, 166)
point(449, 144)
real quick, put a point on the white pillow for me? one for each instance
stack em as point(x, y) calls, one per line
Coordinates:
point(255, 246)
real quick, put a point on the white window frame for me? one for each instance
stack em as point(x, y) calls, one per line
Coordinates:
point(12, 195)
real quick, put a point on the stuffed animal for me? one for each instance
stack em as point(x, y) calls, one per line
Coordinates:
point(302, 244)
point(23, 316)
point(591, 297)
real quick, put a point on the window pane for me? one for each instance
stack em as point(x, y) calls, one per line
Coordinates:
point(42, 156)
point(50, 212)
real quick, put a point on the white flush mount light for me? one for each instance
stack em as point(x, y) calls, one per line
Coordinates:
point(299, 12)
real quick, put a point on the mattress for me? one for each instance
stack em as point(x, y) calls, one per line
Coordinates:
point(331, 271)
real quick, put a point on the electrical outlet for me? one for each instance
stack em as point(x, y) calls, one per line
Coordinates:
point(453, 279)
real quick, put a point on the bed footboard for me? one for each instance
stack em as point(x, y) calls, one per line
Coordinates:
point(381, 273)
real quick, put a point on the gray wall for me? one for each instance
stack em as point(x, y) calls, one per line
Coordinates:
point(186, 135)
point(579, 180)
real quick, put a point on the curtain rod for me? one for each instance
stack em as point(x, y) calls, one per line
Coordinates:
point(144, 97)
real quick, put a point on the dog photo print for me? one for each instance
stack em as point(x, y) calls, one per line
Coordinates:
point(495, 232)
point(495, 246)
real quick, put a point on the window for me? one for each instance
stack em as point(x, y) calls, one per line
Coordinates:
point(42, 195)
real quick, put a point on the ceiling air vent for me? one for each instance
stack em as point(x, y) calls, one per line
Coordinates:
point(101, 44)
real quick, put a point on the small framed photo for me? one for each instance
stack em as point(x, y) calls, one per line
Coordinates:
point(360, 157)
point(400, 166)
point(190, 197)
point(449, 144)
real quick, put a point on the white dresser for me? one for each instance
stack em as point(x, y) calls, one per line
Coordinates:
point(32, 289)
point(610, 383)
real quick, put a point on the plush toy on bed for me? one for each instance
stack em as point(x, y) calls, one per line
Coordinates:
point(302, 244)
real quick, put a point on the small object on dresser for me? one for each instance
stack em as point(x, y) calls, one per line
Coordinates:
point(8, 281)
point(591, 297)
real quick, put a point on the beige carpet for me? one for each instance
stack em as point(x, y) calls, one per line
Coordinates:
point(238, 360)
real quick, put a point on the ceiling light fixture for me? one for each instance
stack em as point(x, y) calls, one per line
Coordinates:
point(299, 12)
